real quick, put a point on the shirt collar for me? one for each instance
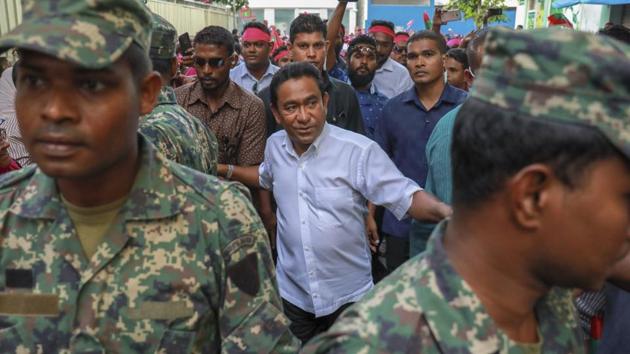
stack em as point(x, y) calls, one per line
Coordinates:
point(449, 95)
point(152, 196)
point(288, 145)
point(243, 72)
point(231, 95)
point(387, 66)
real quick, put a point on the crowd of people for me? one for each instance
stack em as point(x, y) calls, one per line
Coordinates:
point(377, 193)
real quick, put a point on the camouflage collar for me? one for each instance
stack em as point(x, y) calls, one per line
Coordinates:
point(481, 334)
point(167, 96)
point(153, 195)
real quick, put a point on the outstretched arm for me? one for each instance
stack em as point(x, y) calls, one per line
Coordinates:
point(334, 25)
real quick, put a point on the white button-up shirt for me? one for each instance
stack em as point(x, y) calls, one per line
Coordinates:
point(241, 76)
point(324, 260)
point(392, 79)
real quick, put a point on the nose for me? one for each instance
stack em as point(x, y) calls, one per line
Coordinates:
point(60, 106)
point(206, 69)
point(302, 116)
point(310, 52)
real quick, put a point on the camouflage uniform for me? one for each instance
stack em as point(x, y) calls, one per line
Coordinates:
point(425, 306)
point(185, 266)
point(180, 136)
point(176, 133)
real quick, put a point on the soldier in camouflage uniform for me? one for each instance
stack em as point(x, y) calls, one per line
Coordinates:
point(541, 182)
point(181, 265)
point(176, 133)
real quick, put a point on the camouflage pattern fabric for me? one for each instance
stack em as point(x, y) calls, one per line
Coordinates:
point(559, 74)
point(426, 307)
point(179, 135)
point(90, 33)
point(185, 268)
point(163, 39)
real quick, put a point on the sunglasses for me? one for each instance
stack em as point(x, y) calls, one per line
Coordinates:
point(399, 50)
point(213, 63)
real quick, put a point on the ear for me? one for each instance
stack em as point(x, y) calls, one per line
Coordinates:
point(233, 60)
point(326, 45)
point(325, 99)
point(530, 193)
point(469, 78)
point(149, 90)
point(276, 114)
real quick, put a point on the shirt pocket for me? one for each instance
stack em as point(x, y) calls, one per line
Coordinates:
point(332, 204)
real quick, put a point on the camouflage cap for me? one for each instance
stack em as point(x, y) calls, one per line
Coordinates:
point(562, 75)
point(163, 38)
point(91, 33)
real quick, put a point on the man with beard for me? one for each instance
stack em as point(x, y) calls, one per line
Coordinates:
point(361, 69)
point(256, 71)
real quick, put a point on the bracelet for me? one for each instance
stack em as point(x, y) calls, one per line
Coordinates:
point(230, 171)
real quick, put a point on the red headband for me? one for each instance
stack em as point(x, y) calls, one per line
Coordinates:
point(281, 55)
point(253, 34)
point(401, 38)
point(382, 29)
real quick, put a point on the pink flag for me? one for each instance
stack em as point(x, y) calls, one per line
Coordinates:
point(409, 24)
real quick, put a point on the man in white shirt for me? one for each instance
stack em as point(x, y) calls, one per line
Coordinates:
point(255, 72)
point(17, 151)
point(391, 78)
point(322, 177)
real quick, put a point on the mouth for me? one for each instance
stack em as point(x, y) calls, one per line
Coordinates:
point(58, 146)
point(363, 71)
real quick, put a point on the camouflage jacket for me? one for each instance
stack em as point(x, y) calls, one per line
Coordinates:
point(179, 135)
point(185, 268)
point(426, 307)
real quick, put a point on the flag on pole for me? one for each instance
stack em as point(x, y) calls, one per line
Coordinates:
point(427, 21)
point(409, 24)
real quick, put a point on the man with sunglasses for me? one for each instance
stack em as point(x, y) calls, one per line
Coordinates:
point(256, 70)
point(399, 53)
point(391, 78)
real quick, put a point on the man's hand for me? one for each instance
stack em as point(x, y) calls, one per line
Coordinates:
point(271, 224)
point(187, 58)
point(5, 159)
point(426, 207)
point(372, 232)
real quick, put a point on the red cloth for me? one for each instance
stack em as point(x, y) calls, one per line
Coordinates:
point(382, 29)
point(11, 167)
point(253, 34)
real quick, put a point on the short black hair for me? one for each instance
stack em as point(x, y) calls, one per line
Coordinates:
point(618, 32)
point(362, 39)
point(459, 55)
point(491, 144)
point(294, 71)
point(306, 23)
point(437, 38)
point(255, 24)
point(216, 35)
point(472, 49)
point(388, 24)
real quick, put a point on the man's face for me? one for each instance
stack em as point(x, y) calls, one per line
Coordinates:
point(301, 110)
point(362, 65)
point(256, 53)
point(80, 123)
point(213, 65)
point(384, 45)
point(399, 53)
point(309, 47)
point(587, 227)
point(424, 61)
point(455, 73)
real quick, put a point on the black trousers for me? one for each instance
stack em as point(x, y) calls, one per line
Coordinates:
point(305, 325)
point(397, 251)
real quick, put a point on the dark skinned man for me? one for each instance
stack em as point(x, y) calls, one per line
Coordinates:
point(256, 70)
point(108, 246)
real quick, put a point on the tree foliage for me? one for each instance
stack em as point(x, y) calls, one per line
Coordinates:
point(235, 5)
point(476, 9)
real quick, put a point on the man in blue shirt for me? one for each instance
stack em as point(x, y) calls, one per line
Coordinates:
point(361, 69)
point(407, 123)
point(256, 71)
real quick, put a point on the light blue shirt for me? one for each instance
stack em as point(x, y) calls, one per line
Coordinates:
point(241, 76)
point(324, 260)
point(392, 79)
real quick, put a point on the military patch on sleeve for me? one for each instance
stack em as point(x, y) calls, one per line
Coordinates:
point(19, 278)
point(244, 274)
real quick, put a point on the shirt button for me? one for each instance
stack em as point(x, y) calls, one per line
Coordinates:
point(301, 194)
point(315, 296)
point(303, 222)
